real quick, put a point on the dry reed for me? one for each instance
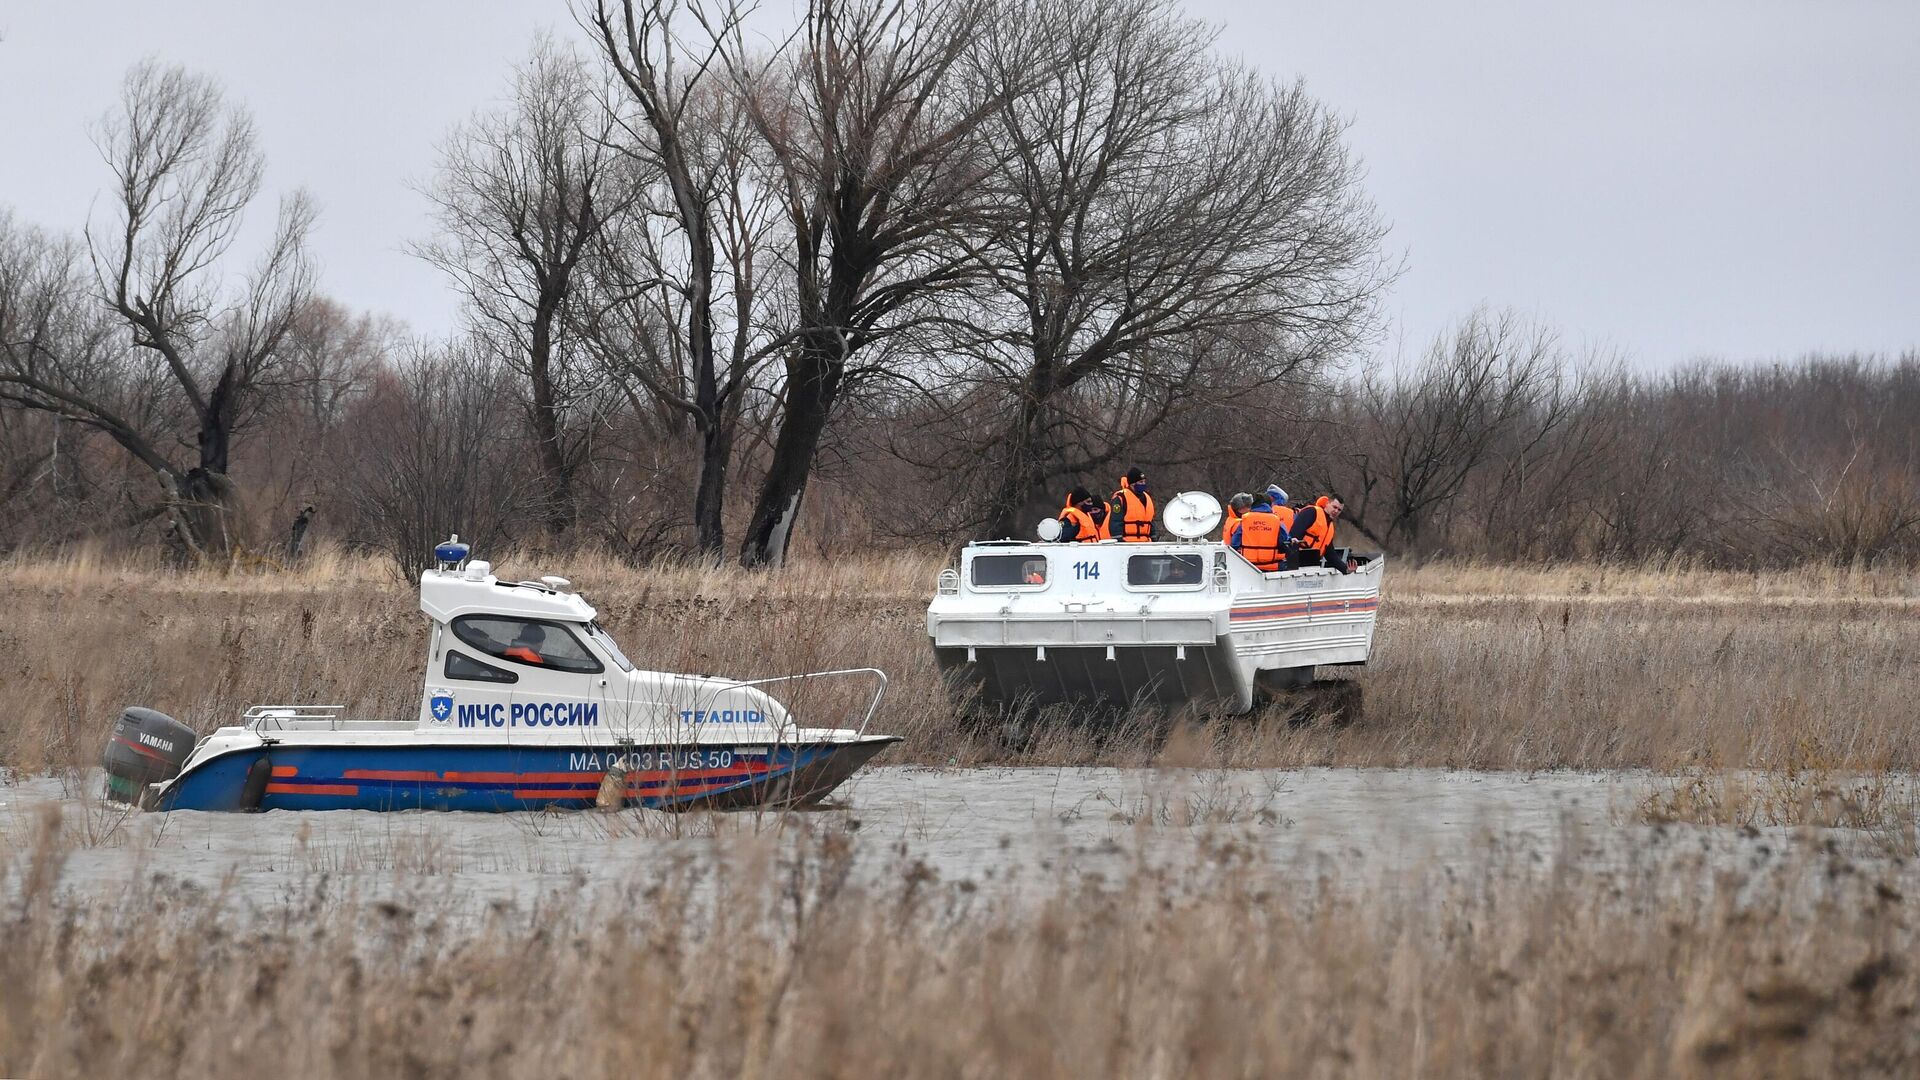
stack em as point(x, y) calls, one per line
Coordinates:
point(1475, 667)
point(786, 965)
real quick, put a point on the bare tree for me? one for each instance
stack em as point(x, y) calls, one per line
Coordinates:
point(332, 359)
point(1181, 229)
point(870, 125)
point(1549, 470)
point(185, 168)
point(522, 195)
point(679, 310)
point(1416, 435)
point(439, 455)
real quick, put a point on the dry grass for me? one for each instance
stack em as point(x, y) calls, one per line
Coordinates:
point(1475, 667)
point(784, 965)
point(1883, 807)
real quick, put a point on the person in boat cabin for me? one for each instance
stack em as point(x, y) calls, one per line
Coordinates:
point(526, 645)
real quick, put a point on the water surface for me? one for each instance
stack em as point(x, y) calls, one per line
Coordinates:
point(999, 829)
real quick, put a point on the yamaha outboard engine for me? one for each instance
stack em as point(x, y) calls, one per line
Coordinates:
point(147, 746)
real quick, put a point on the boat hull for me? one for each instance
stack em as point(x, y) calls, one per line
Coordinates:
point(428, 776)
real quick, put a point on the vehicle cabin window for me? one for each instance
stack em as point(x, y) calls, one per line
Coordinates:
point(1001, 570)
point(1164, 571)
point(462, 666)
point(600, 637)
point(532, 642)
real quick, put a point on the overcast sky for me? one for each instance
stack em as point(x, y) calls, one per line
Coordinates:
point(1674, 179)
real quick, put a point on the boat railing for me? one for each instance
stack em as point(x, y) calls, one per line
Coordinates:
point(287, 717)
point(873, 703)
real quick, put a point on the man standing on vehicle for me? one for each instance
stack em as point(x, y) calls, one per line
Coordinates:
point(1132, 515)
point(1076, 522)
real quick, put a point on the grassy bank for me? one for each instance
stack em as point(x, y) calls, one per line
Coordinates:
point(1475, 667)
point(1797, 964)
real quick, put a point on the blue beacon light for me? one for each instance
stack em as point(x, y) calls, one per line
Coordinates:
point(452, 552)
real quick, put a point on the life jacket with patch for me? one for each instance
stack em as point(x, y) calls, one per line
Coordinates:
point(1135, 512)
point(1102, 516)
point(1260, 538)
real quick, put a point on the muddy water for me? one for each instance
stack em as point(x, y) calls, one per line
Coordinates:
point(998, 829)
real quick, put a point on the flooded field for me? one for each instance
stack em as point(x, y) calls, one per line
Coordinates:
point(1517, 862)
point(1004, 830)
point(1054, 922)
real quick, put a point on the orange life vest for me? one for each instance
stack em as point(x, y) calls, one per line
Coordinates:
point(1104, 523)
point(523, 654)
point(1260, 538)
point(1285, 514)
point(1087, 532)
point(1136, 514)
point(1319, 534)
point(1233, 518)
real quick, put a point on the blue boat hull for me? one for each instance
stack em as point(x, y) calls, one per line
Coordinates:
point(507, 778)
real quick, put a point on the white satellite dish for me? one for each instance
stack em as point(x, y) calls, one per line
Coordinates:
point(1048, 529)
point(1191, 515)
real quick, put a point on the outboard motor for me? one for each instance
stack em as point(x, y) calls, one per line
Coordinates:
point(147, 746)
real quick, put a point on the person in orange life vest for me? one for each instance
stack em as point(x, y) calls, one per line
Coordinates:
point(1236, 506)
point(1313, 529)
point(1132, 518)
point(1035, 571)
point(1278, 496)
point(1076, 521)
point(1102, 517)
point(1259, 537)
point(526, 645)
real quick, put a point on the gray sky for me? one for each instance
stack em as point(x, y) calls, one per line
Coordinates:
point(1733, 178)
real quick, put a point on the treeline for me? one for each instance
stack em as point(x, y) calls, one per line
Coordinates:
point(917, 267)
point(1497, 442)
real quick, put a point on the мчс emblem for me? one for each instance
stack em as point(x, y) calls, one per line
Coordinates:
point(441, 706)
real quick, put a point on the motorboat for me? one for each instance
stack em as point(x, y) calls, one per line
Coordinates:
point(527, 704)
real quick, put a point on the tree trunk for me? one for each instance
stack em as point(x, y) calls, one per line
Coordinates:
point(1023, 476)
point(813, 382)
point(557, 500)
point(710, 496)
point(203, 498)
point(203, 512)
point(716, 426)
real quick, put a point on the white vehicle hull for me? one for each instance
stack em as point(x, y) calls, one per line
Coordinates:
point(1093, 631)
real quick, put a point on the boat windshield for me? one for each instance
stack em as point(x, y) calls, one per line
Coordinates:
point(599, 636)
